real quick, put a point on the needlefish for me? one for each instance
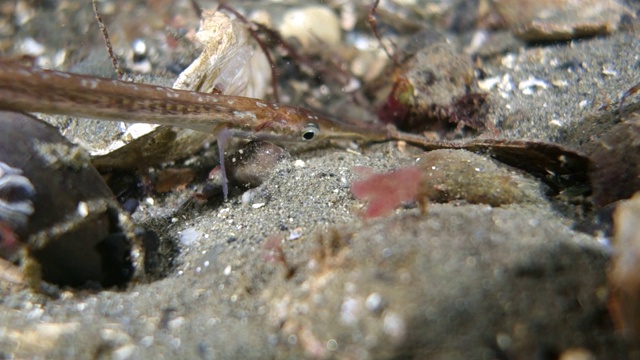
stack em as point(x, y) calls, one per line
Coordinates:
point(28, 89)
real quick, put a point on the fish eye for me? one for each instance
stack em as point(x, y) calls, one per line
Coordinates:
point(310, 131)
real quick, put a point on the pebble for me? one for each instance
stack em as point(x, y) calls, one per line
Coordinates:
point(124, 352)
point(577, 354)
point(315, 27)
point(394, 326)
point(350, 311)
point(189, 236)
point(374, 302)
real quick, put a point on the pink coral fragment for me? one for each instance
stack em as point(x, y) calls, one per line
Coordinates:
point(386, 192)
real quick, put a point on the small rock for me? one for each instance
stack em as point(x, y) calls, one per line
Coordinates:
point(254, 163)
point(76, 232)
point(552, 20)
point(624, 276)
point(615, 162)
point(437, 91)
point(451, 175)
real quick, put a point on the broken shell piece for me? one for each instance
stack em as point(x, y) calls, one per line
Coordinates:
point(77, 235)
point(16, 192)
point(527, 86)
point(164, 144)
point(229, 63)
